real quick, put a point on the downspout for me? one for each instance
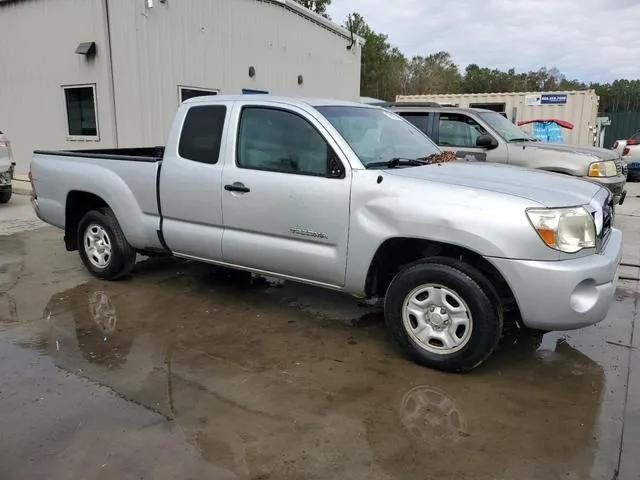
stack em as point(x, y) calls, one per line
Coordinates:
point(111, 81)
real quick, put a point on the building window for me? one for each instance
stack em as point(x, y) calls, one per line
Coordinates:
point(82, 117)
point(185, 93)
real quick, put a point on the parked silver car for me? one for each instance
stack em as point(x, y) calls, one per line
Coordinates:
point(486, 135)
point(340, 195)
point(6, 169)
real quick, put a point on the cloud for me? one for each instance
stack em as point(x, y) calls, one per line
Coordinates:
point(591, 40)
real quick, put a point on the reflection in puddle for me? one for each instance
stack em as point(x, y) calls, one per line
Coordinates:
point(428, 412)
point(8, 310)
point(103, 313)
point(264, 389)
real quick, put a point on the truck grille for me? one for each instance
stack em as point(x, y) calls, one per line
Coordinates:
point(605, 199)
point(621, 166)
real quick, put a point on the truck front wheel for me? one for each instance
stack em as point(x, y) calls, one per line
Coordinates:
point(103, 248)
point(444, 314)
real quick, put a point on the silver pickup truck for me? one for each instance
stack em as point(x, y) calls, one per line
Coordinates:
point(339, 195)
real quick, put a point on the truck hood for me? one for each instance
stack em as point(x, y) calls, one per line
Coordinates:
point(598, 153)
point(548, 189)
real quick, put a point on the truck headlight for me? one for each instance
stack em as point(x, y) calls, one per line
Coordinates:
point(606, 168)
point(566, 229)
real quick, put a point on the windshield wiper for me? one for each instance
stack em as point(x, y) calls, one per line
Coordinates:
point(522, 139)
point(397, 162)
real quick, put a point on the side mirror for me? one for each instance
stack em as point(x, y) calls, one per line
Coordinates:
point(486, 141)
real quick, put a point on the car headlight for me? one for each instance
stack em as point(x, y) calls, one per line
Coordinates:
point(566, 229)
point(606, 168)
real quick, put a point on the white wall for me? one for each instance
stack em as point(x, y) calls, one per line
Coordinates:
point(197, 43)
point(37, 43)
point(212, 44)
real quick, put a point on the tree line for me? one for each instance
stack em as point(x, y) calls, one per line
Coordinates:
point(387, 72)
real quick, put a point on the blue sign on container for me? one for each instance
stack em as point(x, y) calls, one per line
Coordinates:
point(553, 99)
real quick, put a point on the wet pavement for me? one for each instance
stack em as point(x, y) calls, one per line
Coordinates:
point(187, 371)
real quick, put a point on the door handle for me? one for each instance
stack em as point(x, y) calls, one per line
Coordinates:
point(237, 187)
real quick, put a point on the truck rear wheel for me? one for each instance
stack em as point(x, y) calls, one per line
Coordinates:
point(444, 314)
point(5, 195)
point(104, 250)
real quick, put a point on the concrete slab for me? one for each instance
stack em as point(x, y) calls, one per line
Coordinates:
point(189, 371)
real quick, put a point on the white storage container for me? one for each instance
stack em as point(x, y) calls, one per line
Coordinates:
point(578, 107)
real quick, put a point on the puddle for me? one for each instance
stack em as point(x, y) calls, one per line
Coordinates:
point(276, 380)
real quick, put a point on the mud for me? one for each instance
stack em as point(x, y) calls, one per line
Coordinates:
point(191, 371)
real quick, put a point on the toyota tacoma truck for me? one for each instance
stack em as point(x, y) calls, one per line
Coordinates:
point(339, 195)
point(488, 136)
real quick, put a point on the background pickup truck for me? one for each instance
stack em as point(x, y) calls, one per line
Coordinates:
point(7, 166)
point(486, 135)
point(339, 195)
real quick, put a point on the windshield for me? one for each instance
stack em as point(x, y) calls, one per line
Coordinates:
point(377, 135)
point(504, 127)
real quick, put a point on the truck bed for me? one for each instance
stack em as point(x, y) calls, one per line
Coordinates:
point(125, 178)
point(143, 154)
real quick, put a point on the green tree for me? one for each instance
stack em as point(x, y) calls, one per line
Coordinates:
point(318, 6)
point(383, 66)
point(436, 73)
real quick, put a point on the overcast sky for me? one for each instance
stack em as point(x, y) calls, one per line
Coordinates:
point(591, 40)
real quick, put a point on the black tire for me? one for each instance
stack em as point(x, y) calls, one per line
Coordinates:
point(472, 287)
point(5, 195)
point(123, 255)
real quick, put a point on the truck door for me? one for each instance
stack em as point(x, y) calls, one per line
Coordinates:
point(459, 132)
point(286, 196)
point(190, 178)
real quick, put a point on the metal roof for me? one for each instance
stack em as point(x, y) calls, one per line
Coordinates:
point(294, 8)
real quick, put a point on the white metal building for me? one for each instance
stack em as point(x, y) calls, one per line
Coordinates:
point(111, 73)
point(578, 107)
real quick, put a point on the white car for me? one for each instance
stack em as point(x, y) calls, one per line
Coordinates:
point(630, 151)
point(6, 169)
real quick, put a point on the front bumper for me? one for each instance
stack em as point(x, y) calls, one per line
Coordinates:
point(615, 185)
point(567, 294)
point(6, 178)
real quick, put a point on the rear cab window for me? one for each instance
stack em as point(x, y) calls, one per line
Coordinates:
point(420, 120)
point(201, 134)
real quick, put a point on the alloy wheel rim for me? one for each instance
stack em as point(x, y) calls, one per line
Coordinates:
point(97, 246)
point(437, 319)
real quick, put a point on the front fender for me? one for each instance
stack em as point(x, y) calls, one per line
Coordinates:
point(487, 223)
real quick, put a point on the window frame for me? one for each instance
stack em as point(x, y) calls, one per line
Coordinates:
point(210, 91)
point(331, 152)
point(460, 114)
point(86, 138)
point(227, 113)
